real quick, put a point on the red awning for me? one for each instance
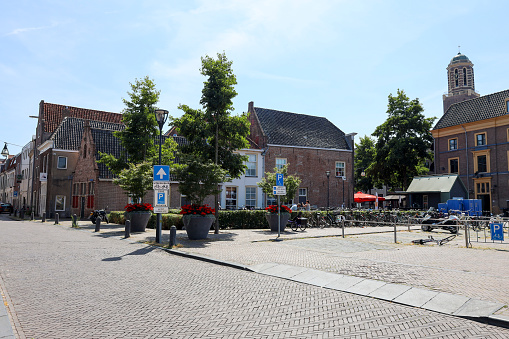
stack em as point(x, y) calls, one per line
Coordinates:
point(363, 197)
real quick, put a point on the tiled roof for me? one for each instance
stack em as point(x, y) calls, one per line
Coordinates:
point(105, 142)
point(485, 107)
point(292, 129)
point(70, 131)
point(53, 114)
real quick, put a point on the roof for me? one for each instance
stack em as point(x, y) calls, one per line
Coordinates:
point(292, 129)
point(459, 58)
point(53, 114)
point(433, 183)
point(69, 133)
point(482, 108)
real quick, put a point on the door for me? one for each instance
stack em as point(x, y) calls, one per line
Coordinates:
point(82, 210)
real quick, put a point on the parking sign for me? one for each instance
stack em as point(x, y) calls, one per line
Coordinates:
point(497, 231)
point(279, 179)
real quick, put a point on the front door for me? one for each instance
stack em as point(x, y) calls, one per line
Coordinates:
point(483, 192)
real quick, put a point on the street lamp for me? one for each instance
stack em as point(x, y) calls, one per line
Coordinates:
point(5, 151)
point(328, 176)
point(344, 178)
point(161, 116)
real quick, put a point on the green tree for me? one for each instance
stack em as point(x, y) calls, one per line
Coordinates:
point(403, 143)
point(139, 147)
point(364, 157)
point(292, 183)
point(214, 133)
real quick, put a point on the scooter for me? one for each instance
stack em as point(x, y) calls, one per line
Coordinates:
point(429, 223)
point(98, 214)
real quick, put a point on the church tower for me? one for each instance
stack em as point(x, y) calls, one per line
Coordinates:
point(460, 79)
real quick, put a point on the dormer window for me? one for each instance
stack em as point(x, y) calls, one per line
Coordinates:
point(507, 105)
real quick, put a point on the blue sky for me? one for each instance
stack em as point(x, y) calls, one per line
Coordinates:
point(336, 59)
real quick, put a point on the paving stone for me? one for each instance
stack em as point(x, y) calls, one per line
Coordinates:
point(389, 291)
point(325, 278)
point(478, 308)
point(415, 297)
point(365, 287)
point(445, 303)
point(344, 283)
point(306, 276)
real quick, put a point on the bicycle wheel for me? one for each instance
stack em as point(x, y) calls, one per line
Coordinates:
point(294, 226)
point(321, 222)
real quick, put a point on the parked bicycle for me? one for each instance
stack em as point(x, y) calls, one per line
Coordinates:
point(298, 223)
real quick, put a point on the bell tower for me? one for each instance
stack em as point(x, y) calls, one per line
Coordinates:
point(460, 80)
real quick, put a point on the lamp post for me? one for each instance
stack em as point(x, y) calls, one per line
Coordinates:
point(344, 178)
point(161, 116)
point(328, 176)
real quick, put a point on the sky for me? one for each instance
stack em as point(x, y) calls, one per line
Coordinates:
point(338, 59)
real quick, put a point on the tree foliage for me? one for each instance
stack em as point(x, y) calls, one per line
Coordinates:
point(364, 157)
point(213, 134)
point(292, 183)
point(140, 149)
point(403, 143)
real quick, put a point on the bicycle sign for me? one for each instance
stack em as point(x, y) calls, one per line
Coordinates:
point(497, 231)
point(279, 190)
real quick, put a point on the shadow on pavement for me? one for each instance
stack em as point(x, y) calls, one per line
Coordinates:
point(140, 251)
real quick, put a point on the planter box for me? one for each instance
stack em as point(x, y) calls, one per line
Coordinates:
point(198, 226)
point(272, 220)
point(139, 220)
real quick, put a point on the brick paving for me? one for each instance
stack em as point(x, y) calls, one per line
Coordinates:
point(65, 283)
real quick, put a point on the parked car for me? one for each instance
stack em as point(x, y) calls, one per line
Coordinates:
point(6, 208)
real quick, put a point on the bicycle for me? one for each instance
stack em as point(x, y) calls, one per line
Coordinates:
point(298, 223)
point(317, 220)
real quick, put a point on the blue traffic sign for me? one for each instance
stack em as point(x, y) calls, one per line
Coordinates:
point(161, 198)
point(161, 173)
point(497, 231)
point(279, 179)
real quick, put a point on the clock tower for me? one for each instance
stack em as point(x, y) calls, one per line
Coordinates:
point(460, 79)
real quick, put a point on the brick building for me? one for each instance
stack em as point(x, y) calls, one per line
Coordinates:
point(472, 140)
point(310, 145)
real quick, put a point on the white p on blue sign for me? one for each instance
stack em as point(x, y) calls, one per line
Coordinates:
point(279, 179)
point(161, 173)
point(497, 231)
point(160, 198)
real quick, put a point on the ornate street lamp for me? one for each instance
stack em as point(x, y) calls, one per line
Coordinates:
point(161, 117)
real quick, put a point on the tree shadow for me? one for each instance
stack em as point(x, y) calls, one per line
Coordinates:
point(140, 251)
point(202, 243)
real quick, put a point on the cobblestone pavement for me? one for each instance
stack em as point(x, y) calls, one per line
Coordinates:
point(65, 283)
point(479, 272)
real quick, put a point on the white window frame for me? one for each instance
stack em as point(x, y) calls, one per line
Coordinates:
point(56, 203)
point(282, 163)
point(336, 168)
point(231, 189)
point(58, 162)
point(249, 188)
point(251, 166)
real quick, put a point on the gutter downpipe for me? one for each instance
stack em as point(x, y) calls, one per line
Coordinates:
point(466, 154)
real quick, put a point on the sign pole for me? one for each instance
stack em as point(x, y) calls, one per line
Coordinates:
point(278, 218)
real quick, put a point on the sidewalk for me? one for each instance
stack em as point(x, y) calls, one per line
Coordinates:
point(450, 278)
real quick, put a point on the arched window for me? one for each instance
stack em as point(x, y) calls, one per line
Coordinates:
point(456, 77)
point(464, 76)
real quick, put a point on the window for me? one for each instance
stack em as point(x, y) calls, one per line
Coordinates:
point(454, 165)
point(507, 105)
point(62, 163)
point(480, 139)
point(425, 202)
point(251, 165)
point(340, 169)
point(271, 201)
point(60, 203)
point(453, 144)
point(464, 76)
point(280, 163)
point(183, 200)
point(303, 195)
point(481, 161)
point(250, 197)
point(231, 198)
point(456, 77)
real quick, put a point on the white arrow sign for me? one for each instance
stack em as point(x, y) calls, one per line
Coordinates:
point(161, 174)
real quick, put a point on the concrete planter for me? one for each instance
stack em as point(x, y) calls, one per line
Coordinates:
point(139, 220)
point(198, 226)
point(272, 220)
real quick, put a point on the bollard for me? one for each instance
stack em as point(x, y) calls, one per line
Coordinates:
point(395, 238)
point(57, 219)
point(32, 217)
point(97, 224)
point(343, 227)
point(127, 228)
point(74, 220)
point(44, 217)
point(173, 236)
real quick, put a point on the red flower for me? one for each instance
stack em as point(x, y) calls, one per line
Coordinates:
point(197, 209)
point(274, 209)
point(138, 207)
